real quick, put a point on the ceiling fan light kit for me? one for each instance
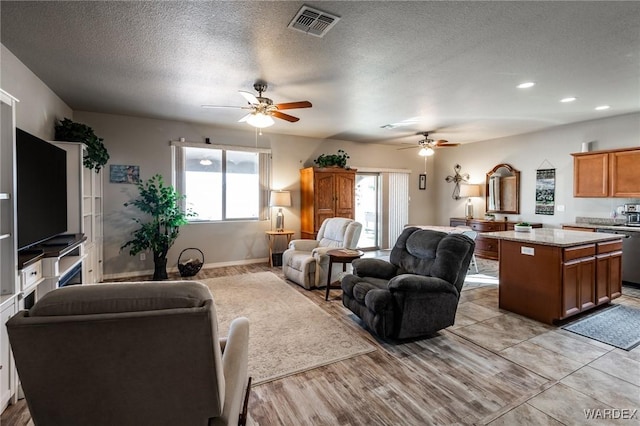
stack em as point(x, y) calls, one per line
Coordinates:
point(260, 120)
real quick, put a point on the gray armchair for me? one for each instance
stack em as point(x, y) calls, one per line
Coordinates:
point(130, 354)
point(305, 262)
point(414, 294)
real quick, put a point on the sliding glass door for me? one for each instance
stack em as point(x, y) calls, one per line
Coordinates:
point(368, 209)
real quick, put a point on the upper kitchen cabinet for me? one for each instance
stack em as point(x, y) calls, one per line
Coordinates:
point(612, 173)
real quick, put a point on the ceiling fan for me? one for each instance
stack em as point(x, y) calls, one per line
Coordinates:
point(427, 145)
point(262, 109)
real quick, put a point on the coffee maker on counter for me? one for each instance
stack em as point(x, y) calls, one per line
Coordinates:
point(632, 212)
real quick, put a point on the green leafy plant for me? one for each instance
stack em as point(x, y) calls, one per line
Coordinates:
point(70, 131)
point(523, 224)
point(159, 230)
point(327, 160)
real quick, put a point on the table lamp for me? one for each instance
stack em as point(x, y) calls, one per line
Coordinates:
point(469, 191)
point(280, 199)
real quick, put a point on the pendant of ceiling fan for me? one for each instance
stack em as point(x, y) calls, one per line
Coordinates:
point(261, 108)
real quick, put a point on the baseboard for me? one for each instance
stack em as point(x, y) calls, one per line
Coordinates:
point(128, 274)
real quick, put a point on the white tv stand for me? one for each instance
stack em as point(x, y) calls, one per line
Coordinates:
point(48, 265)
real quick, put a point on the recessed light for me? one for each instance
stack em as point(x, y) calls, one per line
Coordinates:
point(526, 85)
point(568, 99)
point(602, 107)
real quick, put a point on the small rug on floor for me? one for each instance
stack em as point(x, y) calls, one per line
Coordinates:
point(618, 326)
point(288, 333)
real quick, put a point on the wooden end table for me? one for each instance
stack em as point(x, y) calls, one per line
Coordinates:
point(272, 235)
point(343, 256)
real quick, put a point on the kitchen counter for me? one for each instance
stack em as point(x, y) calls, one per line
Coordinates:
point(553, 274)
point(554, 237)
point(603, 226)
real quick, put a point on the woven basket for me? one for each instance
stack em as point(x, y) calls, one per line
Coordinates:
point(192, 266)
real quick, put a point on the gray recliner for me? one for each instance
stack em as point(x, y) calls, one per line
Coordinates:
point(416, 293)
point(306, 263)
point(130, 354)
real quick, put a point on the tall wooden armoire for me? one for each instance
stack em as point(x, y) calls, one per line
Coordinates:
point(325, 192)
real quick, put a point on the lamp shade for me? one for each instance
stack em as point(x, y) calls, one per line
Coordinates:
point(469, 191)
point(280, 199)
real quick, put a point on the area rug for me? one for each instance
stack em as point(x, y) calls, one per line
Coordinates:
point(618, 326)
point(288, 333)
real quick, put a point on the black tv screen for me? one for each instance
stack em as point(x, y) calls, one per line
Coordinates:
point(41, 189)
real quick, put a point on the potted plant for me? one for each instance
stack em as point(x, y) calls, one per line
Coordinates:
point(522, 227)
point(161, 204)
point(336, 160)
point(70, 131)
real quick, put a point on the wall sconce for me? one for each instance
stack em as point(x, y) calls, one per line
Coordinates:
point(469, 191)
point(280, 199)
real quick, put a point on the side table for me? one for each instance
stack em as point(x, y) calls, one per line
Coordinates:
point(273, 236)
point(343, 256)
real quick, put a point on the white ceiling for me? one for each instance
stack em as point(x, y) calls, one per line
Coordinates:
point(451, 66)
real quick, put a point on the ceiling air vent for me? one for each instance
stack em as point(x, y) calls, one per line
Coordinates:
point(313, 21)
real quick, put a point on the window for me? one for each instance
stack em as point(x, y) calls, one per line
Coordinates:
point(222, 182)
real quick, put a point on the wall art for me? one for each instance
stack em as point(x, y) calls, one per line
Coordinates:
point(122, 173)
point(545, 191)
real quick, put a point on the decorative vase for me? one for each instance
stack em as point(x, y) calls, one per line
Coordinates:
point(160, 268)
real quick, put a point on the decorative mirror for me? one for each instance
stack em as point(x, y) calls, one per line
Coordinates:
point(503, 190)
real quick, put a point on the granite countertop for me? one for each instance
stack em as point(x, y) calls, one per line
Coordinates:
point(613, 227)
point(553, 237)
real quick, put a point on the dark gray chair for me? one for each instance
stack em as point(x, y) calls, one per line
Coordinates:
point(130, 354)
point(416, 293)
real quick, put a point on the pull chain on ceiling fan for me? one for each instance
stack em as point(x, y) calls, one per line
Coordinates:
point(262, 109)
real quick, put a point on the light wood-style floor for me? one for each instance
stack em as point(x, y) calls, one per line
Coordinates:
point(492, 367)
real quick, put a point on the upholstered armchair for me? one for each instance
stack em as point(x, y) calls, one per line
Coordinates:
point(305, 262)
point(130, 354)
point(416, 293)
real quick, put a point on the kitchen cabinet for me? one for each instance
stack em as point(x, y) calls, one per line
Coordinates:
point(325, 193)
point(552, 274)
point(486, 248)
point(612, 173)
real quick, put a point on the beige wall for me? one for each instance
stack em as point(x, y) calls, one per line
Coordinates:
point(546, 149)
point(145, 142)
point(39, 108)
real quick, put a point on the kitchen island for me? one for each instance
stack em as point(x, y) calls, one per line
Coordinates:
point(552, 274)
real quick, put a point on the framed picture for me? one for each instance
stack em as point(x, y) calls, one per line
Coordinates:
point(122, 173)
point(545, 191)
point(422, 181)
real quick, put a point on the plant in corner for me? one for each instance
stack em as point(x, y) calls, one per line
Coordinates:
point(70, 131)
point(328, 160)
point(162, 204)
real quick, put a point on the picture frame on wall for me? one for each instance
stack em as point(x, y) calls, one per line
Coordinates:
point(422, 181)
point(124, 173)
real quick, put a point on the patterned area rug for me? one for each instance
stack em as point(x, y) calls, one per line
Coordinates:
point(287, 333)
point(618, 326)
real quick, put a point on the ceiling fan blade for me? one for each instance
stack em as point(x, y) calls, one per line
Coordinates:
point(407, 147)
point(283, 116)
point(224, 106)
point(294, 105)
point(245, 118)
point(250, 97)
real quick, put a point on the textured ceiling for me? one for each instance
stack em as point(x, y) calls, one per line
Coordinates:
point(445, 66)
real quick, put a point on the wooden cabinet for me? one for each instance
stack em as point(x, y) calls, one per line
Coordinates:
point(549, 283)
point(325, 193)
point(607, 173)
point(579, 277)
point(486, 247)
point(608, 272)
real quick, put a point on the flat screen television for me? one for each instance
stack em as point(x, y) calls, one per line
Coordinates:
point(41, 189)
